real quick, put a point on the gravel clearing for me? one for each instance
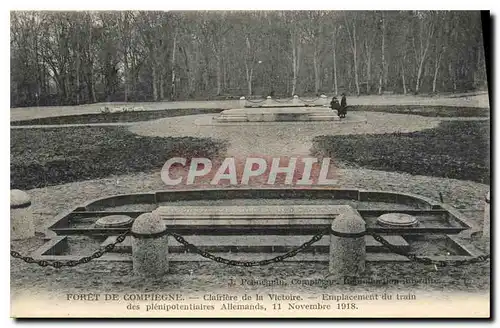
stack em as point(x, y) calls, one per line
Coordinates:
point(283, 138)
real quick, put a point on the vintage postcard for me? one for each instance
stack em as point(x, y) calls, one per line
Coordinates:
point(250, 164)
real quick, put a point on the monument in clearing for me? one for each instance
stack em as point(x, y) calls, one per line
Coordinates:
point(271, 110)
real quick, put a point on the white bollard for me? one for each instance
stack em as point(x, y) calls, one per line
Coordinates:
point(324, 101)
point(243, 102)
point(269, 100)
point(149, 246)
point(21, 215)
point(295, 100)
point(347, 245)
point(486, 222)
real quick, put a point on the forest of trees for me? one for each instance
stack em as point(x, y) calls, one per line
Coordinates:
point(86, 57)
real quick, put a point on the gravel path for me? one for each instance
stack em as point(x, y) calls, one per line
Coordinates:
point(283, 138)
point(52, 126)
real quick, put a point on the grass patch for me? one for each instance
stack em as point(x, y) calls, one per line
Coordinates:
point(119, 117)
point(44, 157)
point(429, 111)
point(457, 150)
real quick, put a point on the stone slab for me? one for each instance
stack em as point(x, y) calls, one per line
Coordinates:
point(252, 212)
point(113, 221)
point(278, 114)
point(397, 220)
point(266, 104)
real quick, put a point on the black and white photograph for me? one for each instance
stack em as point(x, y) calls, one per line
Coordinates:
point(250, 163)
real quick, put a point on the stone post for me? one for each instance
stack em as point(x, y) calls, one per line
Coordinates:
point(486, 222)
point(269, 100)
point(347, 245)
point(324, 101)
point(21, 215)
point(243, 102)
point(295, 100)
point(149, 246)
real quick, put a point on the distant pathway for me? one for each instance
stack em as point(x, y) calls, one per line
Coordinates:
point(457, 100)
point(52, 126)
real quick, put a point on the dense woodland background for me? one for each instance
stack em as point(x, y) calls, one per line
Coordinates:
point(85, 57)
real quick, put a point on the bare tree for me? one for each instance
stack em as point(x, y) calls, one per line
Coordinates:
point(383, 68)
point(425, 23)
point(353, 42)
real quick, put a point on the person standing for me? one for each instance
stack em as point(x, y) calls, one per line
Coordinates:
point(343, 106)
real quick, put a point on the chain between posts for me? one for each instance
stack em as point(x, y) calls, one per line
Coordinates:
point(255, 101)
point(71, 263)
point(276, 259)
point(193, 248)
point(284, 101)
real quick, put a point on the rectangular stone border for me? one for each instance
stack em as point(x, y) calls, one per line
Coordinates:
point(61, 222)
point(61, 225)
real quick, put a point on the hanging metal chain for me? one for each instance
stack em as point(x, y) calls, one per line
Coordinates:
point(426, 260)
point(284, 101)
point(72, 263)
point(279, 258)
point(192, 248)
point(255, 101)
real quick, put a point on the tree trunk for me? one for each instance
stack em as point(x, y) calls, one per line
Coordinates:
point(335, 86)
point(77, 71)
point(294, 69)
point(219, 75)
point(91, 68)
point(249, 75)
point(436, 69)
point(225, 82)
point(295, 63)
point(368, 68)
point(189, 72)
point(352, 39)
point(423, 55)
point(419, 73)
point(125, 73)
point(155, 84)
point(382, 71)
point(356, 77)
point(172, 83)
point(317, 77)
point(403, 77)
point(78, 78)
point(161, 83)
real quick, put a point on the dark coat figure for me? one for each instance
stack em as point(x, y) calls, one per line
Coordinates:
point(343, 106)
point(334, 104)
